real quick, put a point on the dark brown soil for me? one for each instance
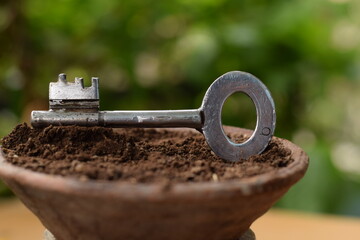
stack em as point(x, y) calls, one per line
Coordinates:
point(132, 155)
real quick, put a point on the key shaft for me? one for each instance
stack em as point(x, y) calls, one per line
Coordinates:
point(164, 118)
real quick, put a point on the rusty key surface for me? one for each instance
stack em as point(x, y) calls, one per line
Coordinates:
point(74, 104)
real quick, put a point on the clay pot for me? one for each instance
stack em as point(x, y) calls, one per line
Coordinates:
point(72, 209)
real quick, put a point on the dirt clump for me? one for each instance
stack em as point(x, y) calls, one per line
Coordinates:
point(132, 155)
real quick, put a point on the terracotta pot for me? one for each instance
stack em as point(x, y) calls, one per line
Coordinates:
point(72, 209)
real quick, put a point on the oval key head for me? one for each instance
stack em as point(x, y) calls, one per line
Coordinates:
point(211, 107)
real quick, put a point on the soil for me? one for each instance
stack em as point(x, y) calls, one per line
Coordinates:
point(132, 155)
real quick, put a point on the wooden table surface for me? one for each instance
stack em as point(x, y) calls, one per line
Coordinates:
point(18, 223)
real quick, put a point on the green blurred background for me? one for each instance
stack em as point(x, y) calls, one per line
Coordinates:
point(164, 54)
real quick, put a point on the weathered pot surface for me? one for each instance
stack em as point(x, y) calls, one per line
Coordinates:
point(72, 209)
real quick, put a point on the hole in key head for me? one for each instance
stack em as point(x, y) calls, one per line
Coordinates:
point(239, 111)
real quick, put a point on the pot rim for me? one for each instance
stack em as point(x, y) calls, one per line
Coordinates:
point(280, 178)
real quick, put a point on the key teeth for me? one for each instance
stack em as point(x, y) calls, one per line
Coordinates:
point(95, 82)
point(79, 81)
point(62, 78)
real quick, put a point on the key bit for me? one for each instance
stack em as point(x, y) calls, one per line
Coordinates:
point(74, 96)
point(74, 104)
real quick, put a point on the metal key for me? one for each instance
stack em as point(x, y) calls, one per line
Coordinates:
point(74, 104)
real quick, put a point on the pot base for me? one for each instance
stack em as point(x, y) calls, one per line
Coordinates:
point(248, 235)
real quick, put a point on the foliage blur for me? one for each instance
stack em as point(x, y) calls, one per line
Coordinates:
point(164, 54)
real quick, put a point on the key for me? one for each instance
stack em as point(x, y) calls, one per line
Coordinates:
point(74, 104)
